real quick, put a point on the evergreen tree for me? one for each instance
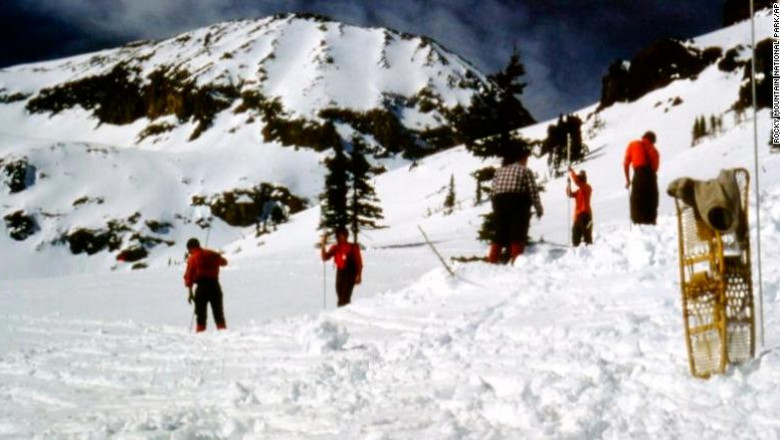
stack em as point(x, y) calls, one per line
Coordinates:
point(713, 125)
point(363, 210)
point(487, 232)
point(449, 201)
point(334, 199)
point(699, 129)
point(556, 138)
point(564, 141)
point(482, 176)
point(578, 150)
point(486, 126)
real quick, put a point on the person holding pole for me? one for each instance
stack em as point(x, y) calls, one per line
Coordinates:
point(203, 269)
point(568, 165)
point(349, 264)
point(583, 216)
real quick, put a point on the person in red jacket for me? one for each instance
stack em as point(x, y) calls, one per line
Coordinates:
point(349, 264)
point(583, 216)
point(644, 158)
point(203, 269)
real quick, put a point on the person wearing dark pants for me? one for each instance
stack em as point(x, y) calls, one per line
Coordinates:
point(583, 216)
point(509, 209)
point(644, 196)
point(582, 229)
point(514, 191)
point(207, 292)
point(203, 270)
point(349, 264)
point(643, 156)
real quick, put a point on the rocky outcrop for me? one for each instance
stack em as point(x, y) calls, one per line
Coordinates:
point(122, 96)
point(653, 68)
point(763, 79)
point(6, 98)
point(615, 86)
point(20, 225)
point(92, 241)
point(132, 254)
point(239, 65)
point(731, 61)
point(247, 207)
point(112, 237)
point(17, 174)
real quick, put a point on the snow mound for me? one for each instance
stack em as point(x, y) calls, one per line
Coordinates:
point(323, 336)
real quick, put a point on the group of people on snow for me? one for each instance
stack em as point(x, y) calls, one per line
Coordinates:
point(514, 194)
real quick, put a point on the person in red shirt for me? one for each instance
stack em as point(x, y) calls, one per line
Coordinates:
point(349, 264)
point(644, 158)
point(203, 270)
point(583, 216)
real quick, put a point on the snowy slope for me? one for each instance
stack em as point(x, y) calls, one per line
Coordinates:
point(306, 63)
point(582, 343)
point(568, 344)
point(309, 63)
point(411, 194)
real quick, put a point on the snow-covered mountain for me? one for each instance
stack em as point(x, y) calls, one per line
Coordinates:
point(289, 71)
point(568, 343)
point(128, 150)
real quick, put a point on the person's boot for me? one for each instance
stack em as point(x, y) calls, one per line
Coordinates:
point(494, 254)
point(221, 326)
point(200, 328)
point(515, 249)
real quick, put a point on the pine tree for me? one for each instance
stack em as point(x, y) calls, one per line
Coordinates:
point(699, 129)
point(703, 126)
point(484, 177)
point(334, 199)
point(563, 139)
point(363, 210)
point(487, 232)
point(486, 126)
point(713, 126)
point(449, 201)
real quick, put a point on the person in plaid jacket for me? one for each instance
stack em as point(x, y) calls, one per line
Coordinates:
point(514, 191)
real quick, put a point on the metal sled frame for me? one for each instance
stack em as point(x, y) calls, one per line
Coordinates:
point(717, 290)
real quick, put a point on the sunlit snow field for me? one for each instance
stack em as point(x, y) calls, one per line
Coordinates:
point(568, 343)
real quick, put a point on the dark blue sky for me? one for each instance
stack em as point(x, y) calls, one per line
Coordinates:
point(566, 45)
